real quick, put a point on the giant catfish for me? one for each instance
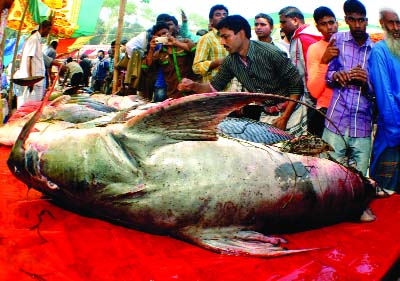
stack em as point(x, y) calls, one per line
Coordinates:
point(166, 171)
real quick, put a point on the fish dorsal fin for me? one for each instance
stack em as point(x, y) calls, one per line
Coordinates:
point(193, 117)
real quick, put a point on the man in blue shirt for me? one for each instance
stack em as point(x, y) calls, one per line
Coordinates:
point(384, 69)
point(100, 72)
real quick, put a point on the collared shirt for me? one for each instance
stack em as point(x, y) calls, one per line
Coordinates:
point(32, 48)
point(384, 69)
point(208, 49)
point(267, 70)
point(350, 109)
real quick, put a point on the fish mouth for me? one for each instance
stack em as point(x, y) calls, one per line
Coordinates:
point(16, 164)
point(24, 166)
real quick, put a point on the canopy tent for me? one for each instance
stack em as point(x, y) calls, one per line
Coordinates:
point(70, 17)
point(67, 49)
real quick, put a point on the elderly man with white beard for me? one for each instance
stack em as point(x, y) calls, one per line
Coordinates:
point(384, 69)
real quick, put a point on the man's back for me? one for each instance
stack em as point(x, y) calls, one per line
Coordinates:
point(86, 66)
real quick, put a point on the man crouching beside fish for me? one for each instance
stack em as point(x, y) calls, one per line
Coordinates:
point(258, 66)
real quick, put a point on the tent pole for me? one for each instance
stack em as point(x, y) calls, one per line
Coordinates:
point(3, 17)
point(121, 14)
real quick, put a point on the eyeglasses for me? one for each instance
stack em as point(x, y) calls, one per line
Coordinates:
point(359, 20)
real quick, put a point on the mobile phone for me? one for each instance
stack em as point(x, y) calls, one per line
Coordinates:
point(162, 40)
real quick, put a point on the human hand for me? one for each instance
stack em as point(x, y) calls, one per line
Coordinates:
point(280, 122)
point(186, 85)
point(358, 75)
point(183, 15)
point(331, 51)
point(342, 77)
point(153, 43)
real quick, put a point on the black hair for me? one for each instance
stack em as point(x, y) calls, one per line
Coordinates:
point(158, 27)
point(354, 6)
point(267, 17)
point(45, 23)
point(217, 7)
point(123, 42)
point(84, 56)
point(101, 51)
point(235, 23)
point(113, 43)
point(321, 12)
point(292, 12)
point(173, 19)
point(162, 18)
point(69, 59)
point(54, 44)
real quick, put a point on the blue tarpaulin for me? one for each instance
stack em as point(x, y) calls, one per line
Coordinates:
point(9, 49)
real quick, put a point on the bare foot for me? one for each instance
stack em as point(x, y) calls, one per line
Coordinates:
point(367, 216)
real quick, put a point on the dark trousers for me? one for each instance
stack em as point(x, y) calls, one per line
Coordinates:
point(316, 121)
point(76, 79)
point(98, 85)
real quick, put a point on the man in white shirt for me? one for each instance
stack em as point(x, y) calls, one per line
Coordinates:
point(32, 65)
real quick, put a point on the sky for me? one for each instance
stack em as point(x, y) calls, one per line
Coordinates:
point(249, 8)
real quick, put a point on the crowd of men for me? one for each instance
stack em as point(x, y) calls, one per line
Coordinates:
point(344, 75)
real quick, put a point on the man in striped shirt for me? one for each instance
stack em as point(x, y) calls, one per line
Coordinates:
point(349, 118)
point(259, 66)
point(209, 51)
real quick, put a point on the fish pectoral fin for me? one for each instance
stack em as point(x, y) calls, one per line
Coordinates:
point(238, 242)
point(122, 191)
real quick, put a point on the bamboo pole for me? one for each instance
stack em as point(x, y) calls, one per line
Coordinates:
point(122, 4)
point(3, 16)
point(11, 92)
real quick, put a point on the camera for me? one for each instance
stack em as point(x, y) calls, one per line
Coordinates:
point(162, 40)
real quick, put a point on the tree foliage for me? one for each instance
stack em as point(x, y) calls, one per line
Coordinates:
point(106, 27)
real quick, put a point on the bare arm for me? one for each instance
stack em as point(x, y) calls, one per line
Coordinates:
point(186, 44)
point(190, 85)
point(281, 121)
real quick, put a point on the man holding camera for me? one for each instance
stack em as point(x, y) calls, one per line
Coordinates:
point(174, 57)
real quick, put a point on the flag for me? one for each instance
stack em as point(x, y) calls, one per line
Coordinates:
point(34, 10)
